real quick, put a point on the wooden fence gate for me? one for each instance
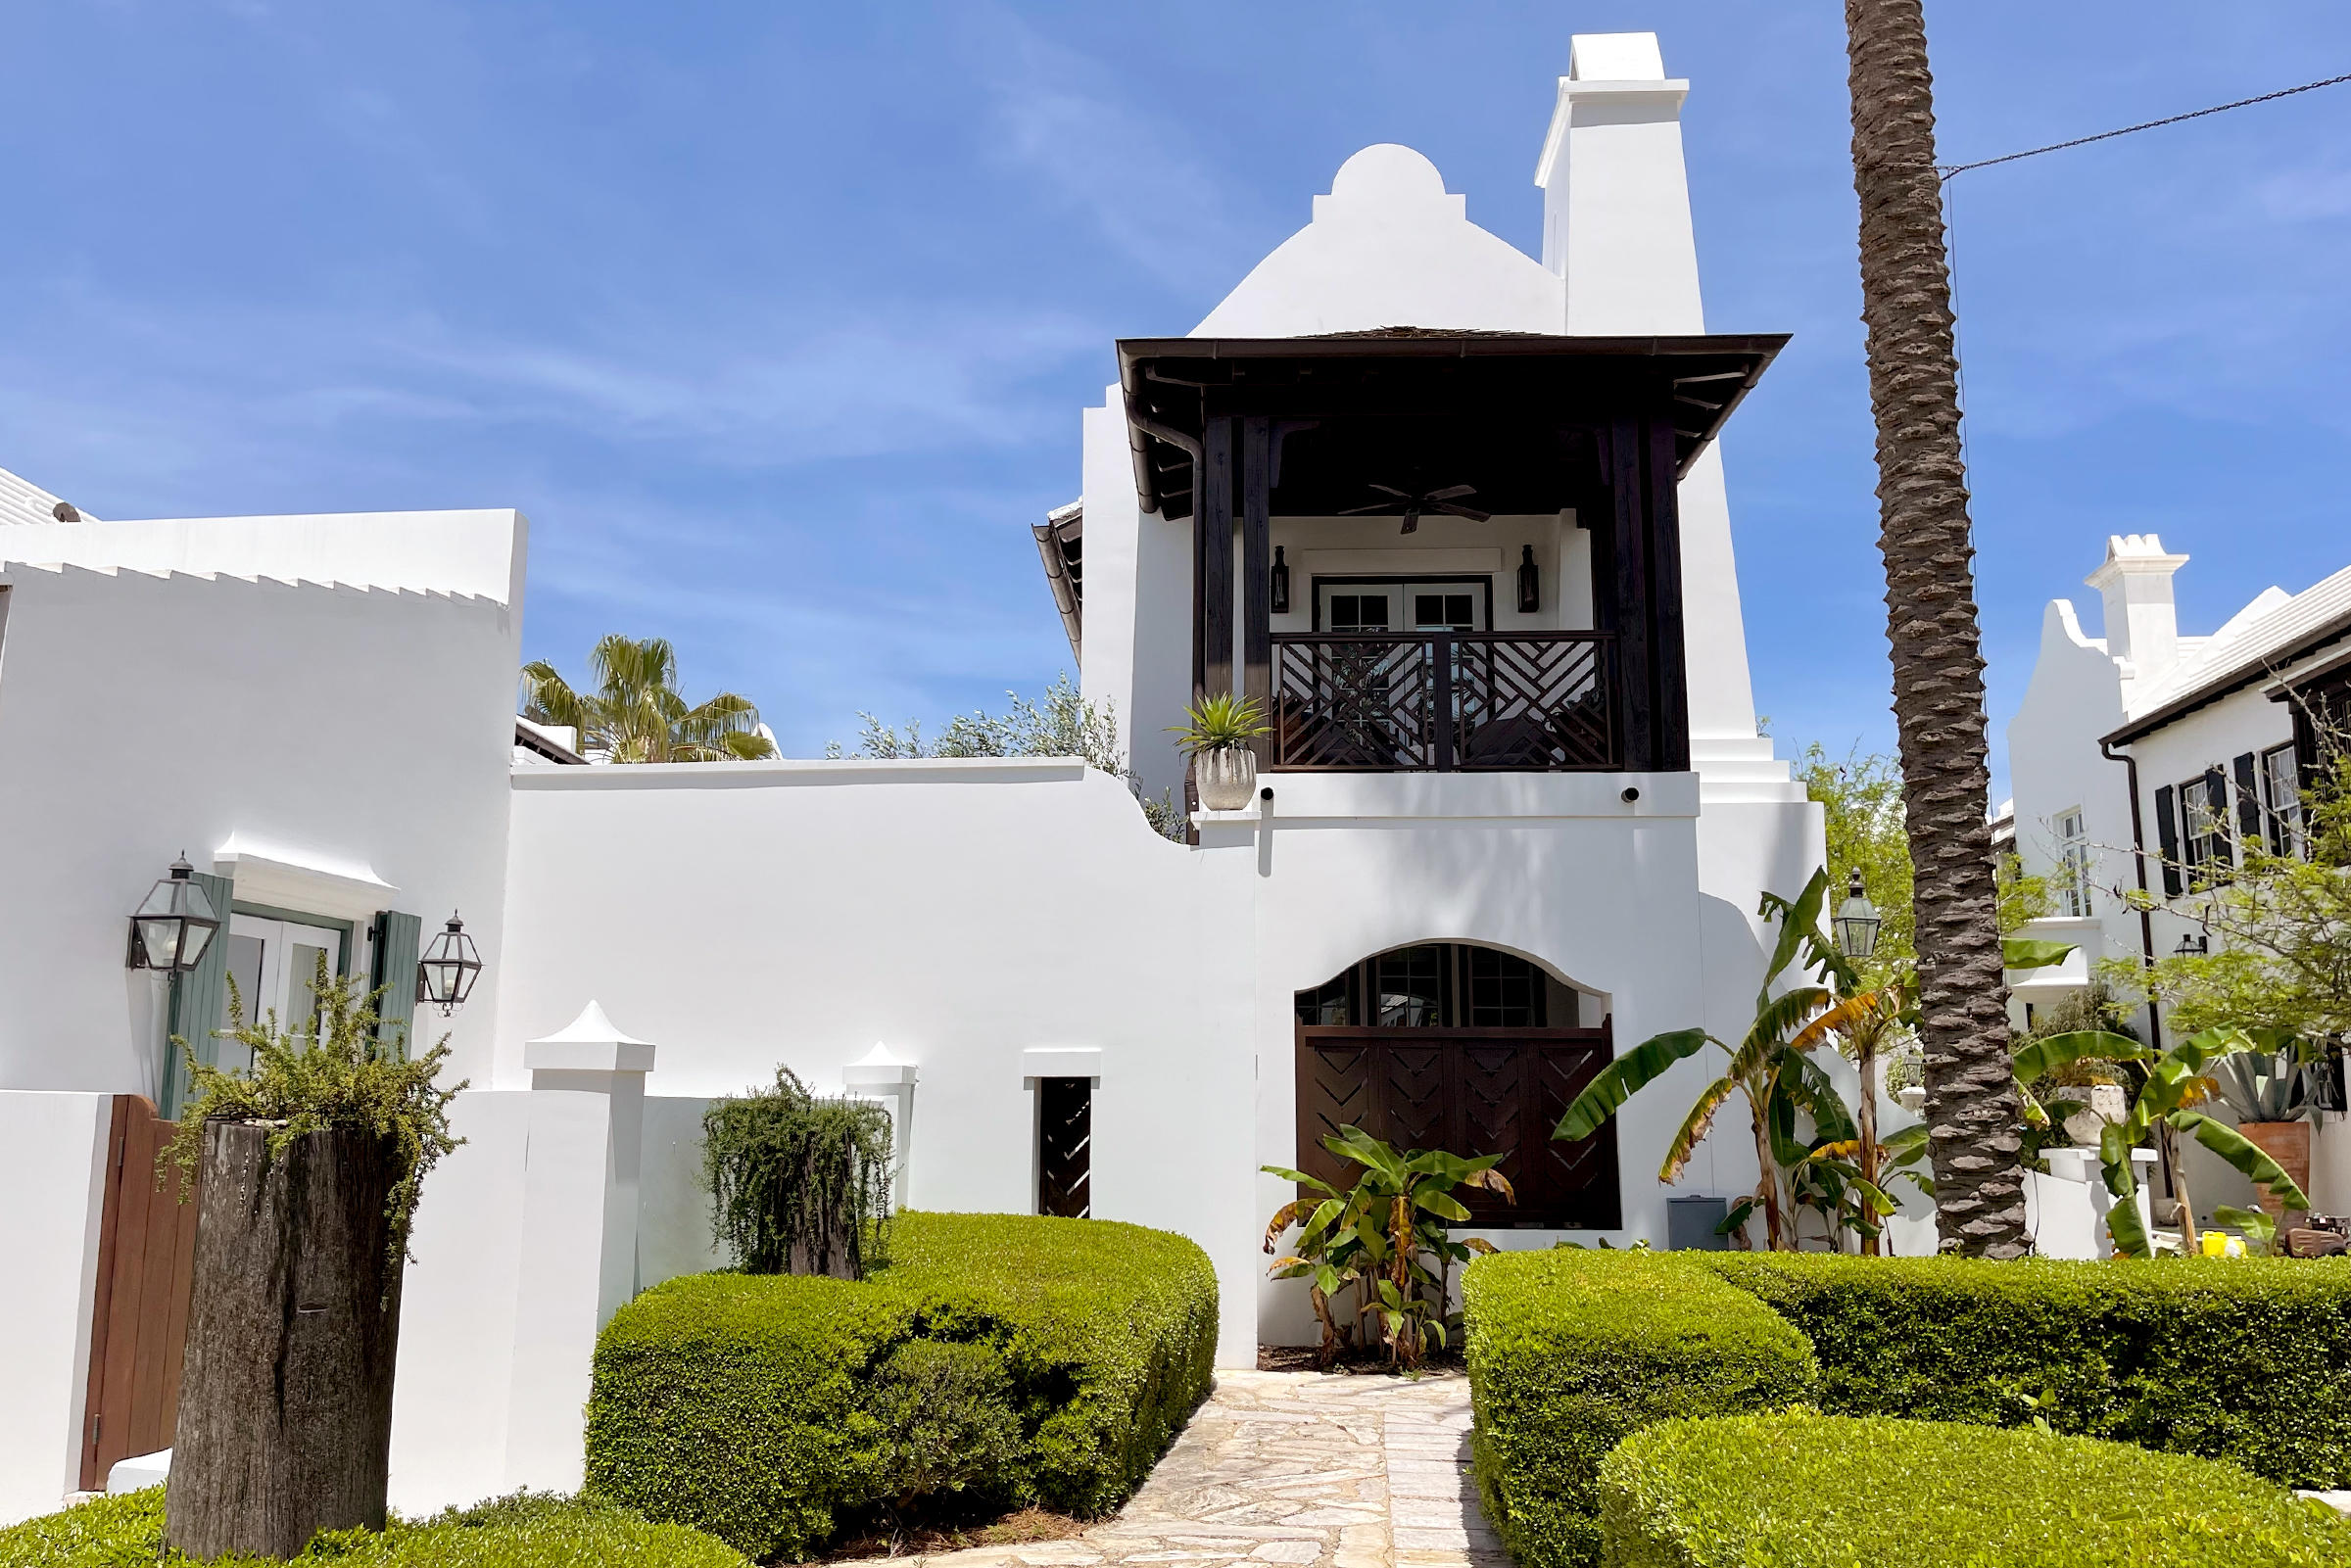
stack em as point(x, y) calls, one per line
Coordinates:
point(1467, 1091)
point(139, 1315)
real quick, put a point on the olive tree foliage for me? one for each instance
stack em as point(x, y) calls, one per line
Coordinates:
point(2281, 929)
point(1060, 724)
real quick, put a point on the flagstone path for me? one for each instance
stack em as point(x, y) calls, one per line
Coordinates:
point(1298, 1469)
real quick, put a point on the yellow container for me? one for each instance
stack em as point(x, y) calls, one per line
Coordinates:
point(2216, 1245)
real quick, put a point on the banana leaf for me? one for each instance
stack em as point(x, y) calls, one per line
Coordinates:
point(2123, 1222)
point(1626, 1077)
point(1300, 1177)
point(2035, 1060)
point(1904, 1146)
point(1775, 1020)
point(1440, 1203)
point(1694, 1129)
point(2260, 1230)
point(2023, 953)
point(2243, 1154)
point(1806, 1080)
point(1798, 920)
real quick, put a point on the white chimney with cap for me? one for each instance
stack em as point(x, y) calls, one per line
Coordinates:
point(2142, 624)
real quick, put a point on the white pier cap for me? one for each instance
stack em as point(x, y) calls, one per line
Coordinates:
point(589, 1043)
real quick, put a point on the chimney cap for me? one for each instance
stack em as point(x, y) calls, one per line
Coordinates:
point(2134, 556)
point(1614, 57)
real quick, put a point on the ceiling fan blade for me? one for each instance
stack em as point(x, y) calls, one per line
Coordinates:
point(1451, 510)
point(1411, 520)
point(1449, 492)
point(1391, 489)
point(1380, 508)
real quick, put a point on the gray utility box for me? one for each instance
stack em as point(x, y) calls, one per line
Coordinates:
point(1690, 1224)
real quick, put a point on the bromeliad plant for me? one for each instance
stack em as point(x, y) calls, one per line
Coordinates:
point(2173, 1082)
point(1386, 1241)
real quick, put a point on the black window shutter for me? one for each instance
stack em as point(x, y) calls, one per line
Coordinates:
point(2216, 805)
point(2248, 804)
point(2167, 840)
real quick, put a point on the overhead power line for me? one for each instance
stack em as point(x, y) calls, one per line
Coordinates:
point(1947, 171)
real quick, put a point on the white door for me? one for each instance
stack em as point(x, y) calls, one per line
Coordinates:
point(274, 962)
point(1429, 606)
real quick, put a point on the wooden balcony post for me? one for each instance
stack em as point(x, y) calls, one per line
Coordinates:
point(1669, 715)
point(1628, 552)
point(1257, 626)
point(1215, 525)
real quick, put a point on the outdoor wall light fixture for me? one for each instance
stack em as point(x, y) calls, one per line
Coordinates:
point(1530, 581)
point(175, 924)
point(2195, 946)
point(1280, 579)
point(1856, 922)
point(446, 973)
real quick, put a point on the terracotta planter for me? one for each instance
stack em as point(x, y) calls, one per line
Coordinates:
point(2287, 1143)
point(1227, 777)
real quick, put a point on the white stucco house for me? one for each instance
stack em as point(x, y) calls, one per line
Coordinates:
point(2146, 758)
point(1456, 515)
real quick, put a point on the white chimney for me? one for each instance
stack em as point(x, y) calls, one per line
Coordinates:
point(2143, 624)
point(1615, 197)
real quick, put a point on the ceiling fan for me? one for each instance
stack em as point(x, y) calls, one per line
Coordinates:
point(1411, 507)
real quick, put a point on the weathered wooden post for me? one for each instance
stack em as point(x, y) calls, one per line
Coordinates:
point(285, 1403)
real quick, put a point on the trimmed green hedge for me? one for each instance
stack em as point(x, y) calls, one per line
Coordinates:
point(1571, 1351)
point(523, 1532)
point(776, 1411)
point(2244, 1359)
point(1798, 1489)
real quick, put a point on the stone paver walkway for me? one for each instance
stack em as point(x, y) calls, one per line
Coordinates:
point(1298, 1469)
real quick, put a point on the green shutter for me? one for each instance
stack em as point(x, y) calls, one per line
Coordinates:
point(396, 938)
point(199, 1003)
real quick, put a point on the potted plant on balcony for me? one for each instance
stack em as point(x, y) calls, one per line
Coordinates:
point(1216, 736)
point(2269, 1092)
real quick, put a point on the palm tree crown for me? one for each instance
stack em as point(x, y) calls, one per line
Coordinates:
point(635, 714)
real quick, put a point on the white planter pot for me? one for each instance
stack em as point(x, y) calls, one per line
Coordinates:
point(2105, 1105)
point(1227, 777)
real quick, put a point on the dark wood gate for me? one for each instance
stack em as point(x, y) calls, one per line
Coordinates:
point(1065, 1145)
point(139, 1315)
point(1469, 1092)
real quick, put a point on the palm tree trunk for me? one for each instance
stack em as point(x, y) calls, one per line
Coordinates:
point(1931, 622)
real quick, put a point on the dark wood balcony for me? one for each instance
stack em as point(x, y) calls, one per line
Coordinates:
point(1445, 701)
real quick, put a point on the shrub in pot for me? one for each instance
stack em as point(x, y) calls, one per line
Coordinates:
point(1216, 736)
point(2269, 1092)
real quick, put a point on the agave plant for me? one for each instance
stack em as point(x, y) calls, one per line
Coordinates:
point(1386, 1239)
point(1219, 723)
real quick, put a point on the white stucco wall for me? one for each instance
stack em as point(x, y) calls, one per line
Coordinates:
point(142, 716)
point(53, 1171)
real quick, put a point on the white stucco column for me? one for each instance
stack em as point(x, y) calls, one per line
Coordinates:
point(579, 1236)
point(881, 1076)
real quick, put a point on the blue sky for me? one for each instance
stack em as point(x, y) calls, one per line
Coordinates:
point(777, 319)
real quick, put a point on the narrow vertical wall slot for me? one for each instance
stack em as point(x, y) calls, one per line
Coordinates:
point(1065, 1138)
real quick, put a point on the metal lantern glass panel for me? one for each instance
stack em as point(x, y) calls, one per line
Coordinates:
point(1856, 922)
point(446, 973)
point(174, 925)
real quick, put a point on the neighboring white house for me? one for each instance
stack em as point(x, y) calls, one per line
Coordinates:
point(1515, 815)
point(2142, 757)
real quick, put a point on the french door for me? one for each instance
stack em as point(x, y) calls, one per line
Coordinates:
point(274, 964)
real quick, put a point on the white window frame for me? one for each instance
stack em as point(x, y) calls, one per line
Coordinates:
point(2281, 774)
point(2073, 861)
point(275, 988)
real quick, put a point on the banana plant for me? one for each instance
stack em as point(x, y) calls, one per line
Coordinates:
point(2176, 1081)
point(1387, 1239)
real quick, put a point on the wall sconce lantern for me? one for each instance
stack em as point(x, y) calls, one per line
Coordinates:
point(1281, 595)
point(2195, 946)
point(175, 924)
point(1856, 922)
point(446, 973)
point(1530, 581)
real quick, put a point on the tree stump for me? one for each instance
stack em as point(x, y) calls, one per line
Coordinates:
point(285, 1403)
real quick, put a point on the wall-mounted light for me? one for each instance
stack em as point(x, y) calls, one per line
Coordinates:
point(1530, 581)
point(1281, 595)
point(2198, 945)
point(174, 925)
point(446, 973)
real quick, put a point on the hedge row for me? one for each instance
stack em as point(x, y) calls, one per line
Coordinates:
point(2243, 1359)
point(998, 1360)
point(1570, 1351)
point(522, 1532)
point(1798, 1487)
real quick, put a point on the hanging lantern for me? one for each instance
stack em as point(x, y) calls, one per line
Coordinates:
point(1530, 581)
point(2198, 945)
point(446, 973)
point(175, 924)
point(1856, 922)
point(1281, 577)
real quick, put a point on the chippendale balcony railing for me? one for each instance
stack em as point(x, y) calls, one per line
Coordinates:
point(1444, 701)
